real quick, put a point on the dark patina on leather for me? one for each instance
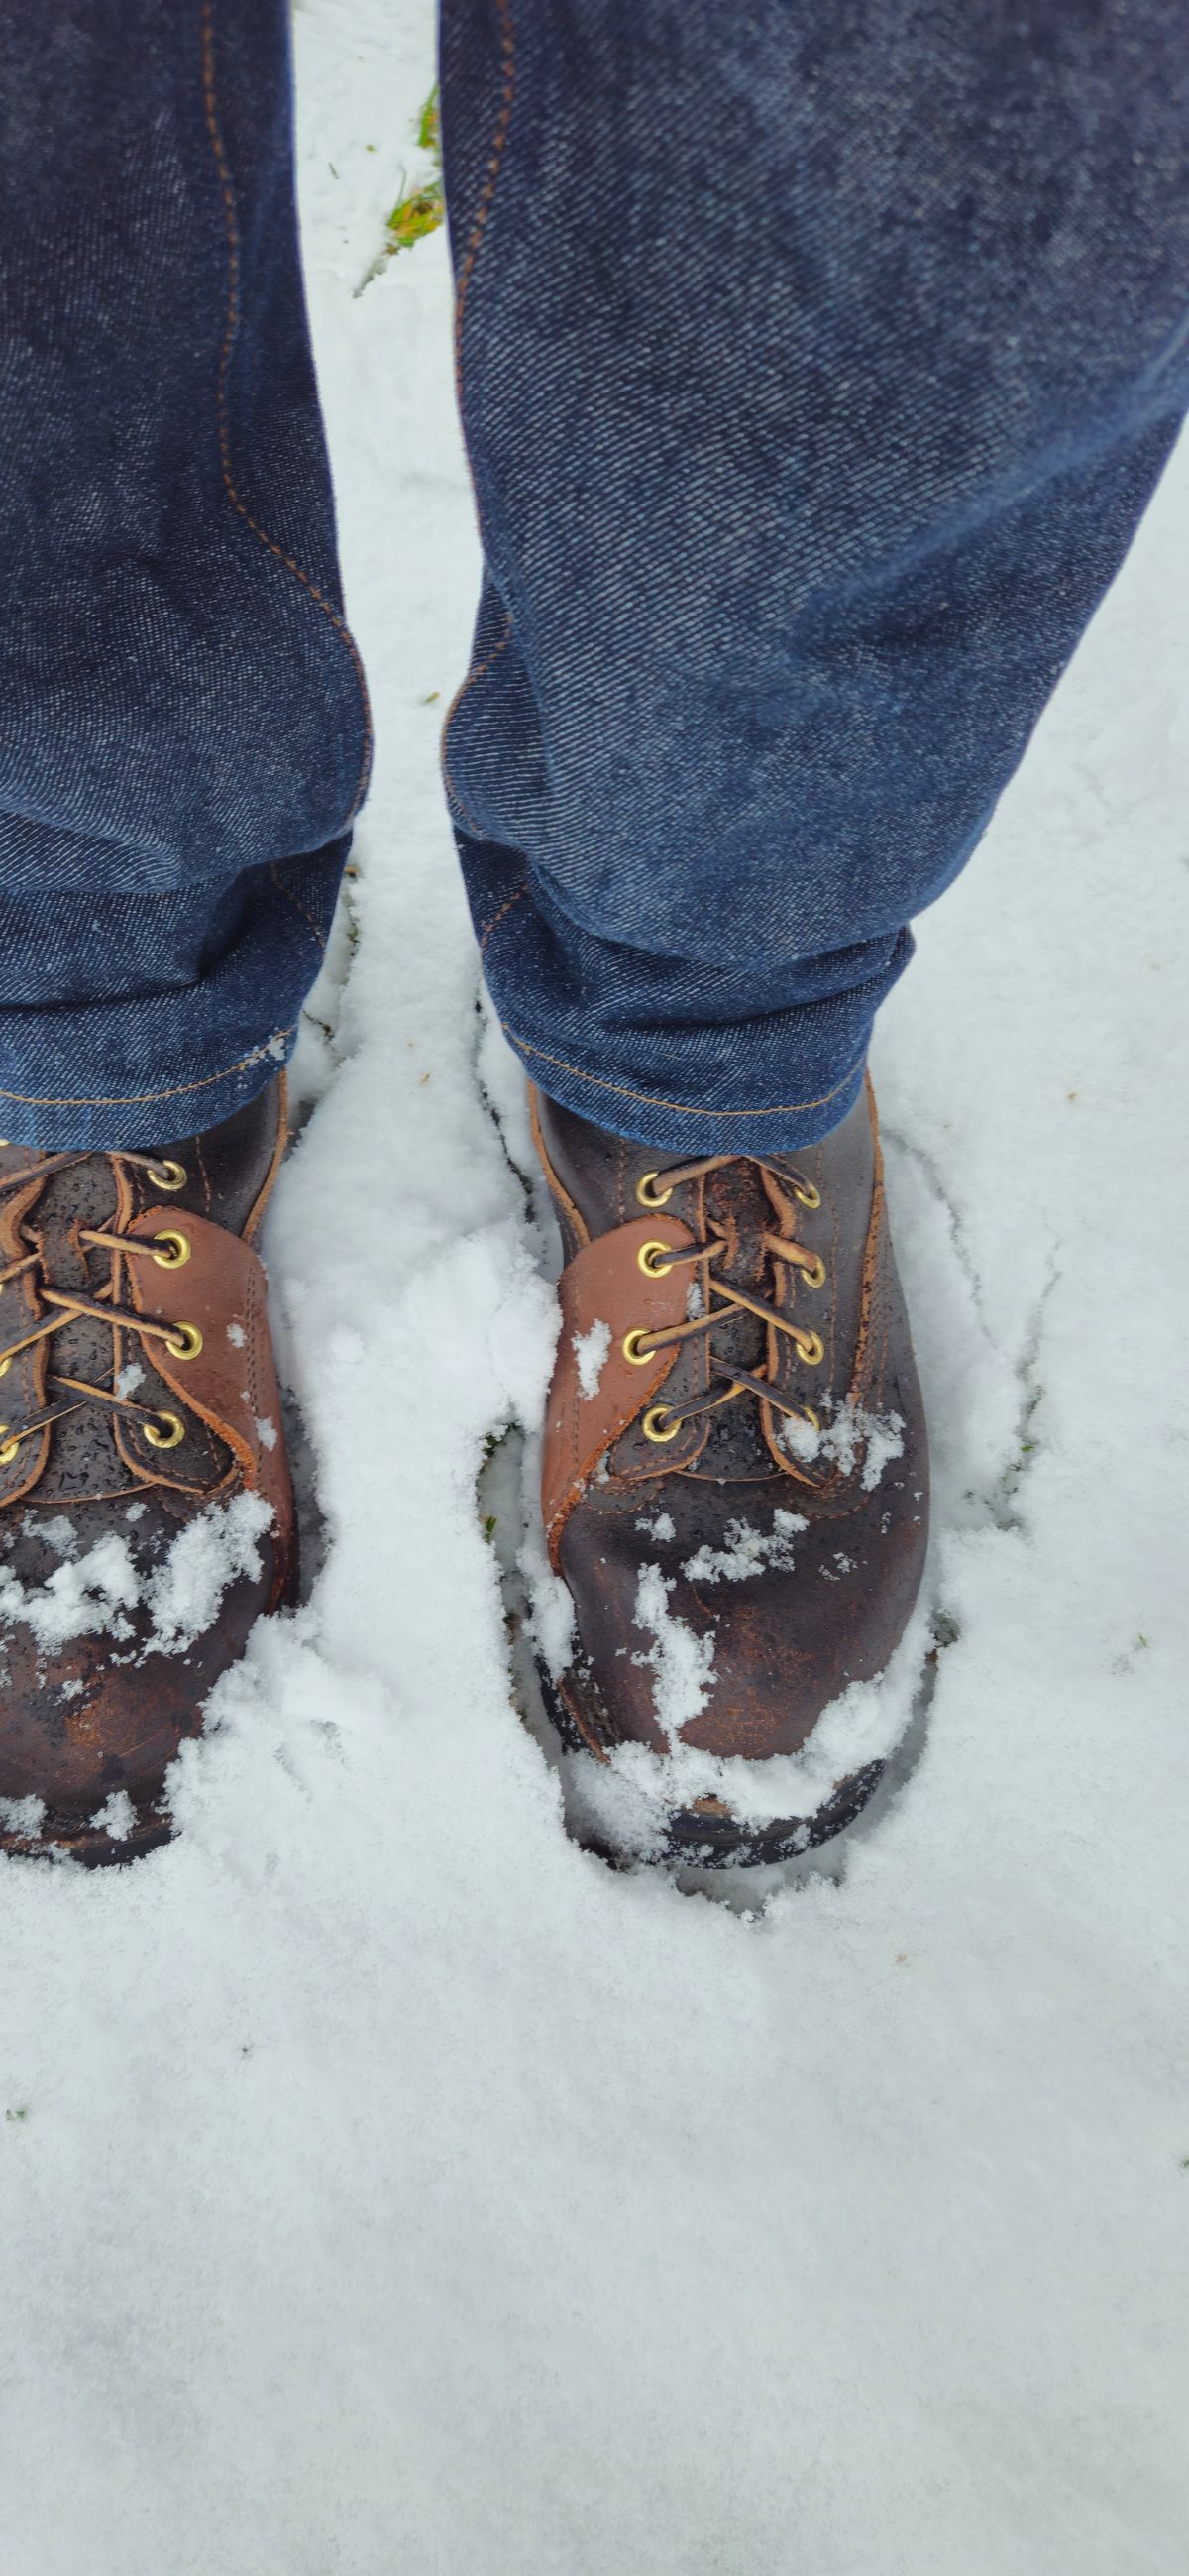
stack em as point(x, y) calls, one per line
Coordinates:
point(828, 1608)
point(104, 1713)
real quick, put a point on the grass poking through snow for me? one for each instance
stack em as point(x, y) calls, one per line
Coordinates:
point(420, 208)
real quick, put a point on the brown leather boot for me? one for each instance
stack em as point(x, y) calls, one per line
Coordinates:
point(735, 1481)
point(146, 1514)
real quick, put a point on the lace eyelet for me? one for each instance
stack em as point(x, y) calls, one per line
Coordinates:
point(10, 1448)
point(812, 1349)
point(172, 1260)
point(648, 1197)
point(652, 1422)
point(632, 1353)
point(168, 1175)
point(805, 1191)
point(815, 1278)
point(652, 1268)
point(175, 1431)
point(185, 1341)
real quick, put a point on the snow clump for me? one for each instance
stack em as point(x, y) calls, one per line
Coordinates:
point(590, 1350)
point(748, 1551)
point(682, 1662)
point(879, 1437)
point(95, 1595)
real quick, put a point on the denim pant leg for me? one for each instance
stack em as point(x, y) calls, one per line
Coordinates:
point(183, 722)
point(817, 360)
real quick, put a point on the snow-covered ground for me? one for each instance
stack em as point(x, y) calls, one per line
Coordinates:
point(387, 2187)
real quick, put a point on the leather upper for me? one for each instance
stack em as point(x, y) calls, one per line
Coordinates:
point(103, 1707)
point(789, 1559)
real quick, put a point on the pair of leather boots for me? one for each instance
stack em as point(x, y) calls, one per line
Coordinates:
point(734, 1487)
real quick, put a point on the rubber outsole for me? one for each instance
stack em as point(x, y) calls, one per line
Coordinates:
point(708, 1836)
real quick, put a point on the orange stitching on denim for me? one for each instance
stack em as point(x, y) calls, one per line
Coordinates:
point(233, 316)
point(298, 906)
point(487, 193)
point(452, 710)
point(206, 1178)
point(134, 1099)
point(683, 1108)
point(494, 924)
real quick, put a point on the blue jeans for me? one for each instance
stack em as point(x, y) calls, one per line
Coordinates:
point(817, 361)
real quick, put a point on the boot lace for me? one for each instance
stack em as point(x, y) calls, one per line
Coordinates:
point(788, 1192)
point(169, 1249)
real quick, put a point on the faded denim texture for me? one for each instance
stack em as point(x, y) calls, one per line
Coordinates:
point(817, 363)
point(183, 727)
point(817, 359)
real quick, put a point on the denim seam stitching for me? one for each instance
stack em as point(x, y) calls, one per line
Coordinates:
point(465, 273)
point(133, 1099)
point(231, 225)
point(491, 181)
point(494, 923)
point(298, 906)
point(683, 1108)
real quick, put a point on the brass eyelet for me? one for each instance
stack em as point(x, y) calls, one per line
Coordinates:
point(168, 1176)
point(174, 1431)
point(805, 1191)
point(649, 1197)
point(808, 1415)
point(652, 1422)
point(185, 1341)
point(812, 1349)
point(172, 1260)
point(635, 1357)
point(6, 1363)
point(815, 1278)
point(10, 1448)
point(651, 1268)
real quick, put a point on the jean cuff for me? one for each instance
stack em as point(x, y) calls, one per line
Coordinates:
point(151, 1017)
point(695, 1058)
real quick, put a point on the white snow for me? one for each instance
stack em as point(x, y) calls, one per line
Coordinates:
point(22, 1815)
point(117, 1816)
point(208, 1555)
point(590, 1350)
point(85, 1596)
point(551, 1606)
point(848, 1432)
point(682, 1662)
point(58, 1532)
point(748, 1551)
point(94, 1594)
point(398, 2191)
point(236, 1336)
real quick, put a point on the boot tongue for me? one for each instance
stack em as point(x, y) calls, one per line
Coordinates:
point(98, 1193)
point(738, 1210)
point(87, 1196)
point(737, 1207)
